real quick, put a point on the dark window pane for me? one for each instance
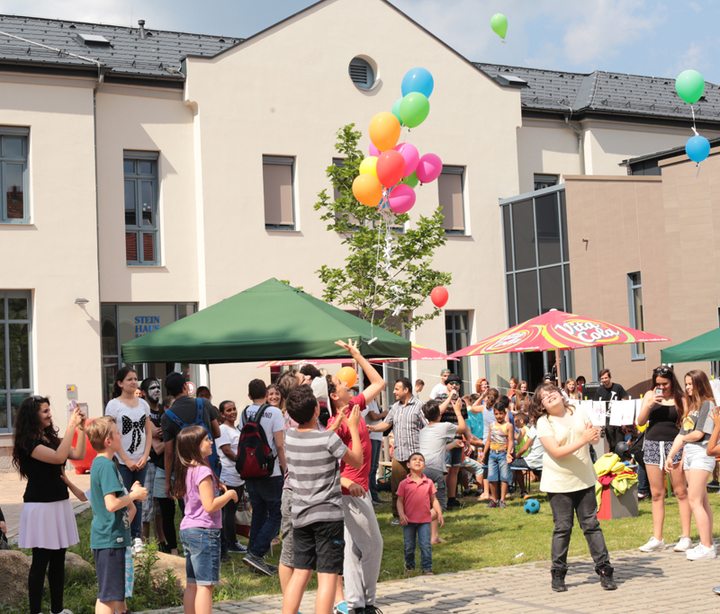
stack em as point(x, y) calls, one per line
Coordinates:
point(12, 147)
point(548, 229)
point(3, 412)
point(131, 253)
point(129, 166)
point(130, 209)
point(109, 330)
point(19, 356)
point(3, 383)
point(527, 295)
point(146, 167)
point(148, 240)
point(2, 308)
point(18, 309)
point(568, 293)
point(15, 400)
point(563, 220)
point(148, 219)
point(511, 300)
point(523, 234)
point(507, 230)
point(14, 190)
point(551, 290)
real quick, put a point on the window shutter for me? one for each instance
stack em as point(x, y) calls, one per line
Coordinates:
point(451, 200)
point(278, 191)
point(131, 251)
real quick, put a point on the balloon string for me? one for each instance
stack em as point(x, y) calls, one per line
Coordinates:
point(377, 266)
point(692, 109)
point(698, 172)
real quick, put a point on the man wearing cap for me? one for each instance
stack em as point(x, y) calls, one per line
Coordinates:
point(453, 458)
point(441, 387)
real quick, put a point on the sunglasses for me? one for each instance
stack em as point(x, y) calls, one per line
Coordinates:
point(455, 384)
point(662, 370)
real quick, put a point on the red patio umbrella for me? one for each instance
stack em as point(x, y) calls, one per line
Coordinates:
point(557, 330)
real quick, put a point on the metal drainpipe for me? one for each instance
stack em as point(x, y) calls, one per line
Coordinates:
point(581, 149)
point(100, 81)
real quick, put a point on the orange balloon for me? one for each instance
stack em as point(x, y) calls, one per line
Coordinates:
point(348, 375)
point(384, 131)
point(367, 190)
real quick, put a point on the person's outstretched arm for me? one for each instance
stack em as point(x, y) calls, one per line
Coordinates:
point(377, 383)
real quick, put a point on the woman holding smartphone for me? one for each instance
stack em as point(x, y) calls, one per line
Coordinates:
point(663, 408)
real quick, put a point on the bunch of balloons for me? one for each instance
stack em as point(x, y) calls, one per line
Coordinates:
point(690, 86)
point(390, 173)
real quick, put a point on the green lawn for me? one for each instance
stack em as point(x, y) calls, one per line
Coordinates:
point(476, 537)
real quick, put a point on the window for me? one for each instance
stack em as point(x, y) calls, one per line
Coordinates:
point(13, 175)
point(545, 181)
point(635, 304)
point(450, 192)
point(361, 73)
point(278, 179)
point(15, 359)
point(457, 337)
point(141, 208)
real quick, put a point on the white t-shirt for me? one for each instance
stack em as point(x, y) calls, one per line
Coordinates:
point(272, 422)
point(573, 472)
point(131, 424)
point(534, 456)
point(433, 439)
point(229, 435)
point(438, 389)
point(372, 406)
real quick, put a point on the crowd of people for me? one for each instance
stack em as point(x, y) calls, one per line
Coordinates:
point(303, 458)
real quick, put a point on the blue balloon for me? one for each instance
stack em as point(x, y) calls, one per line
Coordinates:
point(697, 148)
point(532, 506)
point(418, 80)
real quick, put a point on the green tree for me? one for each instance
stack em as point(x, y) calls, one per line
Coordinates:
point(401, 284)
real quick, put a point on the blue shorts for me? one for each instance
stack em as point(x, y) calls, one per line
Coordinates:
point(656, 452)
point(453, 458)
point(497, 464)
point(110, 569)
point(202, 555)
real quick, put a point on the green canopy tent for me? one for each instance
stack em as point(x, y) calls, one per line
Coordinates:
point(702, 347)
point(270, 321)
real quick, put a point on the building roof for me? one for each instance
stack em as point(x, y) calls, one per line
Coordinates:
point(54, 43)
point(603, 92)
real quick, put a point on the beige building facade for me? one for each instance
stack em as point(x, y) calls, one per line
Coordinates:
point(145, 169)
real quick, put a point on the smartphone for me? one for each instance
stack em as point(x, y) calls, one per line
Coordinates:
point(83, 408)
point(71, 407)
point(658, 391)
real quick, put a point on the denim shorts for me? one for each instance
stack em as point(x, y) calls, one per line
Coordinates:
point(497, 464)
point(202, 555)
point(453, 458)
point(696, 458)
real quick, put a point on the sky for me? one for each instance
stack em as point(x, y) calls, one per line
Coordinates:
point(644, 37)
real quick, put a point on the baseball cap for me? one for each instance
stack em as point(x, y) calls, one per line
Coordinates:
point(174, 380)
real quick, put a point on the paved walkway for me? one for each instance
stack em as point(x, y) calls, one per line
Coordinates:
point(647, 583)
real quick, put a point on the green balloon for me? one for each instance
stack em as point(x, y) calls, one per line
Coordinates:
point(690, 86)
point(414, 108)
point(396, 110)
point(411, 180)
point(499, 24)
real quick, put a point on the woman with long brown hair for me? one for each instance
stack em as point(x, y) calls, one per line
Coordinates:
point(521, 403)
point(663, 408)
point(697, 426)
point(569, 478)
point(571, 389)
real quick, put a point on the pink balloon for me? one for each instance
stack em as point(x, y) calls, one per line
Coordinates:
point(410, 154)
point(401, 198)
point(374, 151)
point(429, 168)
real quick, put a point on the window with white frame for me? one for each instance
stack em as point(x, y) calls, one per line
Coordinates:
point(635, 305)
point(278, 189)
point(142, 226)
point(450, 195)
point(14, 175)
point(15, 357)
point(541, 182)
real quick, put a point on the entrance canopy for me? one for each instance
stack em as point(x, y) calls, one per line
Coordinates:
point(702, 347)
point(270, 321)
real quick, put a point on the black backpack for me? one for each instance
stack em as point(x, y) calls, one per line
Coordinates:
point(255, 459)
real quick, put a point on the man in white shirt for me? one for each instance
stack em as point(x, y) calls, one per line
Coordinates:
point(442, 386)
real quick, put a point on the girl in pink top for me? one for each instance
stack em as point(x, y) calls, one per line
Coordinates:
point(200, 528)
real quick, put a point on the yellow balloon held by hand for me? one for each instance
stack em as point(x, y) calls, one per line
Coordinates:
point(367, 190)
point(369, 166)
point(348, 375)
point(384, 131)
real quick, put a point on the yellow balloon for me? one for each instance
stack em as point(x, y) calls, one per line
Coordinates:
point(384, 131)
point(367, 190)
point(348, 375)
point(369, 166)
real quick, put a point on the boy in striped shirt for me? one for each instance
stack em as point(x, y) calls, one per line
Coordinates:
point(317, 512)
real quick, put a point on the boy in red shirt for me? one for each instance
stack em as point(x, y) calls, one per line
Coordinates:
point(418, 507)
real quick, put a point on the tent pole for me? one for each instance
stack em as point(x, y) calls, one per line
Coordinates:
point(207, 368)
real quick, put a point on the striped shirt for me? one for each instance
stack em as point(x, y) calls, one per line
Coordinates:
point(312, 458)
point(407, 420)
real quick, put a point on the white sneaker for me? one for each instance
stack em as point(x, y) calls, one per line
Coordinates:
point(653, 545)
point(137, 546)
point(684, 544)
point(701, 552)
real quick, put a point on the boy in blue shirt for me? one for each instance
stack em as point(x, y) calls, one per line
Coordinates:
point(110, 529)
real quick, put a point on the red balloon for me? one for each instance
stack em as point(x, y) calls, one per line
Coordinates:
point(390, 167)
point(439, 296)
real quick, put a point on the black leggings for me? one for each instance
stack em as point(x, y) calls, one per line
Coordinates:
point(56, 579)
point(167, 510)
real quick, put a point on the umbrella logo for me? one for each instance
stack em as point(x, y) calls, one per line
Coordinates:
point(587, 332)
point(511, 339)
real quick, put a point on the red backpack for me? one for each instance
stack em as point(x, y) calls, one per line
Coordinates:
point(255, 459)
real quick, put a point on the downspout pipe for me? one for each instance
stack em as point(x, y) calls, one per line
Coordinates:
point(581, 148)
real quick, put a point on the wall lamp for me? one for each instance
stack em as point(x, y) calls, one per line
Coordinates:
point(81, 301)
